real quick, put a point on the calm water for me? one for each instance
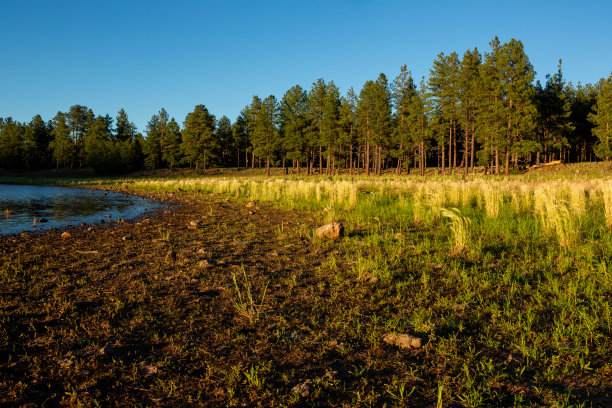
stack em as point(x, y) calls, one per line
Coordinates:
point(62, 206)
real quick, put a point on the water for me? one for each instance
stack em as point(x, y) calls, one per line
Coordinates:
point(62, 206)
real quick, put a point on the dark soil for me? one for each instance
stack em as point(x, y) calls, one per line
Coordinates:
point(213, 303)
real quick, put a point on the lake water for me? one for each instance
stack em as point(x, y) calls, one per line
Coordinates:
point(62, 206)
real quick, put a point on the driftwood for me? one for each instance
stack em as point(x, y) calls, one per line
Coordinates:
point(549, 164)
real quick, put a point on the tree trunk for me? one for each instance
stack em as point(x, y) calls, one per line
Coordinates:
point(367, 158)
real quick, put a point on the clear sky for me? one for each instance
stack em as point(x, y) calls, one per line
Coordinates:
point(144, 55)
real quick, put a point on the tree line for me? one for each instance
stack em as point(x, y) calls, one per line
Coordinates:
point(475, 110)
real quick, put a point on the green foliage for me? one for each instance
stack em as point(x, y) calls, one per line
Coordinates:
point(602, 119)
point(199, 144)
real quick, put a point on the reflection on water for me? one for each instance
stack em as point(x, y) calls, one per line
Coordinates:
point(61, 206)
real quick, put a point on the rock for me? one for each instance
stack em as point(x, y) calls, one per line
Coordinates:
point(403, 340)
point(251, 213)
point(193, 224)
point(367, 277)
point(108, 215)
point(201, 253)
point(124, 238)
point(203, 264)
point(302, 389)
point(334, 230)
point(170, 256)
point(106, 351)
point(250, 204)
point(148, 370)
point(514, 358)
point(90, 229)
point(65, 235)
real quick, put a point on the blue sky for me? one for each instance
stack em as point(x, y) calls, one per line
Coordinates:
point(144, 55)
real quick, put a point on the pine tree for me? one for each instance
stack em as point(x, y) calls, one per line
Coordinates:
point(62, 145)
point(443, 87)
point(79, 118)
point(293, 124)
point(36, 143)
point(199, 144)
point(553, 120)
point(251, 113)
point(419, 128)
point(225, 140)
point(125, 130)
point(153, 143)
point(348, 123)
point(265, 138)
point(12, 144)
point(582, 102)
point(602, 119)
point(374, 121)
point(172, 151)
point(469, 83)
point(241, 139)
point(101, 153)
point(517, 74)
point(403, 92)
point(330, 123)
point(316, 108)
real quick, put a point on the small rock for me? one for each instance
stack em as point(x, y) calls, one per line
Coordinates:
point(170, 256)
point(65, 235)
point(302, 389)
point(251, 213)
point(203, 264)
point(106, 351)
point(514, 358)
point(334, 230)
point(201, 253)
point(148, 370)
point(367, 277)
point(124, 238)
point(250, 204)
point(90, 229)
point(108, 215)
point(403, 340)
point(193, 224)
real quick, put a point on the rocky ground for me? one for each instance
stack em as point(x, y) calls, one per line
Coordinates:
point(213, 302)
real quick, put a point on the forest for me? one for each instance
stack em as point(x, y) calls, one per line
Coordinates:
point(482, 111)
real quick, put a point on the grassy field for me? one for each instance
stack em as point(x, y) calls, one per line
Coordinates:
point(506, 281)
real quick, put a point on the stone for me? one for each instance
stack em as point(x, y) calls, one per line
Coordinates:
point(250, 204)
point(170, 256)
point(148, 370)
point(403, 340)
point(203, 264)
point(193, 224)
point(302, 389)
point(201, 253)
point(65, 235)
point(333, 230)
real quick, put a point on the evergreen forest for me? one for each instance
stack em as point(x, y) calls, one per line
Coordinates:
point(476, 110)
